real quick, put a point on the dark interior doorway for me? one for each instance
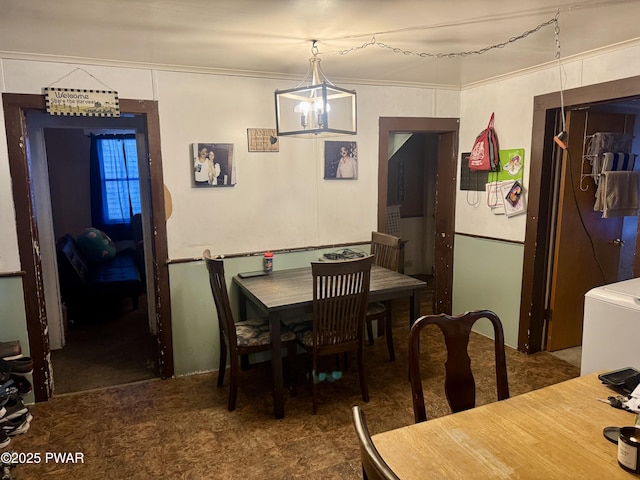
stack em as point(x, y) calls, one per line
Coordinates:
point(111, 337)
point(16, 108)
point(446, 130)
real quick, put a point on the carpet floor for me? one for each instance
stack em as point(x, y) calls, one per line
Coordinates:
point(113, 347)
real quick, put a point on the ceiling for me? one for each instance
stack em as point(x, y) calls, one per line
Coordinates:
point(273, 38)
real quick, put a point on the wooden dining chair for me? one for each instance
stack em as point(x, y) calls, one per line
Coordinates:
point(373, 465)
point(242, 338)
point(386, 250)
point(460, 386)
point(340, 297)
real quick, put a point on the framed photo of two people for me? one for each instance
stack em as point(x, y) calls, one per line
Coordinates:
point(340, 160)
point(212, 165)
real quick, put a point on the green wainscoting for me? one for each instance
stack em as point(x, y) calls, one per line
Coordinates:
point(487, 274)
point(196, 344)
point(13, 319)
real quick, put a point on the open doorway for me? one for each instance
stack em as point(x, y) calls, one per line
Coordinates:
point(411, 198)
point(430, 215)
point(105, 328)
point(555, 177)
point(36, 253)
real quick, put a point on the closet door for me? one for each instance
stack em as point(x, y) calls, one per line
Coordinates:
point(575, 269)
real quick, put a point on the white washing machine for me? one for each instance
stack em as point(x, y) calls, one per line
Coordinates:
point(611, 328)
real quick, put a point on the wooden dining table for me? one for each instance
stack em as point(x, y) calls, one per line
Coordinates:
point(555, 432)
point(289, 293)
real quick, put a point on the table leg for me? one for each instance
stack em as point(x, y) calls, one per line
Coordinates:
point(276, 367)
point(242, 303)
point(414, 307)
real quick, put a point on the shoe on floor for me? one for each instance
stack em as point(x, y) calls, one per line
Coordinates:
point(18, 425)
point(8, 389)
point(14, 408)
point(21, 383)
point(4, 439)
point(19, 366)
point(10, 350)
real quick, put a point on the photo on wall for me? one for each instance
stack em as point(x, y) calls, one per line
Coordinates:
point(212, 165)
point(340, 160)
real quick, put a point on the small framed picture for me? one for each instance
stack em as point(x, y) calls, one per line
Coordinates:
point(212, 165)
point(340, 160)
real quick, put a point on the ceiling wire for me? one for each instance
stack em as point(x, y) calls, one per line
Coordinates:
point(490, 18)
point(560, 71)
point(373, 41)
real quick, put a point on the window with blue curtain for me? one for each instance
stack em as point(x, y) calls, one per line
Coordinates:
point(119, 178)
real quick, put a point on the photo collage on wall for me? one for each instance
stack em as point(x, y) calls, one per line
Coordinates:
point(505, 191)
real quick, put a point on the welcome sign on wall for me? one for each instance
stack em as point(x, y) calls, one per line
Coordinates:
point(82, 103)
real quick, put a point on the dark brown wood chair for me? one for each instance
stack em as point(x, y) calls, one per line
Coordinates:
point(373, 465)
point(460, 386)
point(242, 338)
point(340, 297)
point(386, 250)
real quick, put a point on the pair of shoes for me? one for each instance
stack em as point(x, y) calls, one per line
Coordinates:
point(10, 350)
point(328, 376)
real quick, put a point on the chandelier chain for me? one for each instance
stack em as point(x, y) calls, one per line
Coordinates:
point(553, 21)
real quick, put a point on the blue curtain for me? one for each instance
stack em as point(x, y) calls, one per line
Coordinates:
point(115, 186)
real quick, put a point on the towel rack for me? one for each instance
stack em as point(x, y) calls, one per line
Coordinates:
point(590, 158)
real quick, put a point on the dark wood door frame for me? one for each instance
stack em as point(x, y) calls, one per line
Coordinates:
point(540, 206)
point(15, 106)
point(447, 129)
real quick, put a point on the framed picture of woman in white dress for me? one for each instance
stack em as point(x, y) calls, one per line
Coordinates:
point(340, 160)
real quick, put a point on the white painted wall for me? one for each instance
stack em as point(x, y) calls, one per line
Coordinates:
point(512, 101)
point(280, 199)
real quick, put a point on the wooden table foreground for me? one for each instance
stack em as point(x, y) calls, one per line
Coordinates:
point(554, 432)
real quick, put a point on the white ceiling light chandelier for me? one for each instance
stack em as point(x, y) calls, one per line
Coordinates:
point(315, 107)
